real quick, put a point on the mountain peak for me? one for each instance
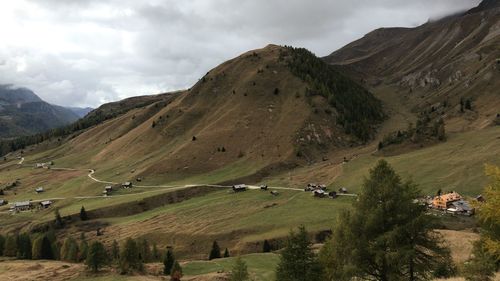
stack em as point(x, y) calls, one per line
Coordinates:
point(485, 5)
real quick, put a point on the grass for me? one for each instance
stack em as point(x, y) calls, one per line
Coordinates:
point(260, 266)
point(457, 164)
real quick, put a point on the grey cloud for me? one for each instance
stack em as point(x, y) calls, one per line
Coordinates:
point(107, 50)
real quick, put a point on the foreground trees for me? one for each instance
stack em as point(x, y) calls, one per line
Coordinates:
point(130, 258)
point(386, 236)
point(239, 271)
point(298, 262)
point(485, 259)
point(96, 257)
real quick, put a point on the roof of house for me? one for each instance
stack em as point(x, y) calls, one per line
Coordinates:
point(22, 204)
point(461, 205)
point(39, 188)
point(239, 186)
point(127, 183)
point(108, 187)
point(450, 197)
point(47, 202)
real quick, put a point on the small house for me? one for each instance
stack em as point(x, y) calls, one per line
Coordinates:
point(45, 204)
point(39, 189)
point(239, 187)
point(138, 179)
point(480, 198)
point(311, 187)
point(263, 187)
point(343, 190)
point(275, 193)
point(21, 206)
point(39, 165)
point(443, 201)
point(126, 185)
point(319, 193)
point(460, 207)
point(108, 188)
point(3, 202)
point(322, 187)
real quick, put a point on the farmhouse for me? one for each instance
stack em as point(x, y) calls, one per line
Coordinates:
point(263, 187)
point(319, 193)
point(239, 187)
point(333, 194)
point(311, 187)
point(3, 202)
point(21, 206)
point(443, 201)
point(127, 184)
point(39, 189)
point(45, 204)
point(274, 193)
point(343, 190)
point(461, 207)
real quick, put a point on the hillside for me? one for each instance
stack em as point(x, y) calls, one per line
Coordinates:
point(252, 112)
point(22, 112)
point(436, 67)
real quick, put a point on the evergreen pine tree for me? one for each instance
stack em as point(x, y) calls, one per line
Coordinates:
point(298, 261)
point(215, 252)
point(168, 261)
point(155, 254)
point(47, 251)
point(96, 257)
point(10, 248)
point(83, 214)
point(24, 246)
point(386, 237)
point(266, 248)
point(239, 272)
point(84, 248)
point(176, 273)
point(144, 251)
point(115, 251)
point(129, 257)
point(58, 222)
point(2, 244)
point(226, 253)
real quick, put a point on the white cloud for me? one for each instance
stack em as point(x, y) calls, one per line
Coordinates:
point(86, 52)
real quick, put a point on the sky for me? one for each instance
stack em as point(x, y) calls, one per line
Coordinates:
point(89, 52)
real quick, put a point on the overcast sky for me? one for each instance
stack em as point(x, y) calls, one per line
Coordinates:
point(88, 52)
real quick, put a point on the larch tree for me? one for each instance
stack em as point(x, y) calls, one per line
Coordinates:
point(96, 257)
point(239, 272)
point(387, 236)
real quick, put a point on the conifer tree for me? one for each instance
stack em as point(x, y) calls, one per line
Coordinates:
point(298, 262)
point(239, 272)
point(144, 250)
point(24, 246)
point(115, 251)
point(168, 261)
point(266, 248)
point(96, 257)
point(386, 237)
point(83, 214)
point(10, 248)
point(84, 248)
point(58, 222)
point(155, 254)
point(2, 244)
point(130, 257)
point(176, 273)
point(214, 252)
point(226, 253)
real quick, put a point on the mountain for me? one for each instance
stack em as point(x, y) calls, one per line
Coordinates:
point(438, 66)
point(80, 111)
point(22, 112)
point(265, 109)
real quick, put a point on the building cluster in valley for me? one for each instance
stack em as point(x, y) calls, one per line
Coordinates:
point(452, 203)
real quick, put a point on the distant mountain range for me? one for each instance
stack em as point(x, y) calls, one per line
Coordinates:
point(22, 112)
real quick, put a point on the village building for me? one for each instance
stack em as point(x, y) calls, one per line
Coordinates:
point(263, 187)
point(343, 190)
point(443, 201)
point(239, 187)
point(21, 206)
point(39, 189)
point(3, 202)
point(332, 194)
point(319, 193)
point(127, 184)
point(461, 207)
point(275, 193)
point(45, 204)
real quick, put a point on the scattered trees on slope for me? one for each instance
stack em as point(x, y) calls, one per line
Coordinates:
point(239, 272)
point(358, 110)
